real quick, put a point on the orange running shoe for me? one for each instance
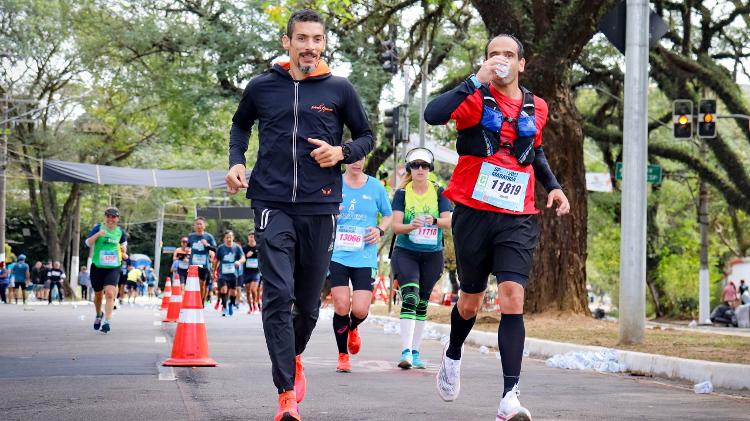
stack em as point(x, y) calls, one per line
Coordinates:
point(344, 366)
point(300, 383)
point(288, 410)
point(354, 342)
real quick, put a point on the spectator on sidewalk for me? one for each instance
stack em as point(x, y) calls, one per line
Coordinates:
point(84, 280)
point(730, 294)
point(55, 277)
point(45, 279)
point(4, 282)
point(37, 280)
point(743, 287)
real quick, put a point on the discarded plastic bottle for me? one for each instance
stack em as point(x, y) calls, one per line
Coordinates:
point(704, 387)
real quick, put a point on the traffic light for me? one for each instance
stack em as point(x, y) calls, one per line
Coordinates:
point(391, 123)
point(707, 118)
point(682, 118)
point(389, 58)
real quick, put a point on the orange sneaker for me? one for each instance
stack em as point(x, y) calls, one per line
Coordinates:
point(354, 342)
point(288, 410)
point(344, 366)
point(300, 383)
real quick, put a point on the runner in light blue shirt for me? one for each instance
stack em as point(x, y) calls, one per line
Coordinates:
point(355, 256)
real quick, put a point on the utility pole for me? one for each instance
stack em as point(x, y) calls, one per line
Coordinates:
point(635, 152)
point(704, 302)
point(76, 245)
point(157, 244)
point(3, 165)
point(7, 122)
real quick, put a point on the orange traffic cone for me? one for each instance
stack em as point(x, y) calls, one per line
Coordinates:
point(167, 294)
point(175, 301)
point(190, 346)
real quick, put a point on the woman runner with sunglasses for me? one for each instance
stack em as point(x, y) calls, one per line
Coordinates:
point(420, 214)
point(181, 255)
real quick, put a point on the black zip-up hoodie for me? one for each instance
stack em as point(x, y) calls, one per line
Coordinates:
point(289, 112)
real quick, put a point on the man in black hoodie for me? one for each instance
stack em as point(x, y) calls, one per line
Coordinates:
point(295, 188)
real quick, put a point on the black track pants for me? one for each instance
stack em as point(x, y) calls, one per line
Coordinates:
point(295, 251)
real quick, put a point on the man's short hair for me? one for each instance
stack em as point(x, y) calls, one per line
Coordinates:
point(304, 15)
point(199, 218)
point(521, 51)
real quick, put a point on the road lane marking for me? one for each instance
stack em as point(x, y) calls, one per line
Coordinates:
point(160, 340)
point(166, 373)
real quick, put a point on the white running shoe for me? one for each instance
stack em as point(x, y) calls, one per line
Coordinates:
point(449, 377)
point(510, 408)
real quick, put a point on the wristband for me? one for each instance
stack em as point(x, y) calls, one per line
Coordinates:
point(474, 81)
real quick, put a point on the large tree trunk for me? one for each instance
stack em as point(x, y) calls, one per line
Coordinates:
point(558, 278)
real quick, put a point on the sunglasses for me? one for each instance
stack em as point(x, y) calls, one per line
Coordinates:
point(418, 165)
point(111, 216)
point(183, 241)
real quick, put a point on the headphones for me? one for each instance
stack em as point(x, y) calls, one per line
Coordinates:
point(423, 154)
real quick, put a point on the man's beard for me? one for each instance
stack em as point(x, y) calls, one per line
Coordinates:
point(307, 69)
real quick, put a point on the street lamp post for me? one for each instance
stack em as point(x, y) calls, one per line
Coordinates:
point(7, 102)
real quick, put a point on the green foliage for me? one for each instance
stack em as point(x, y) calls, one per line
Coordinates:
point(603, 262)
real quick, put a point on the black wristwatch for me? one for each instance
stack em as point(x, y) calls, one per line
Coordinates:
point(382, 233)
point(346, 151)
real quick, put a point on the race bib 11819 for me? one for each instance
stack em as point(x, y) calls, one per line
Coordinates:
point(501, 187)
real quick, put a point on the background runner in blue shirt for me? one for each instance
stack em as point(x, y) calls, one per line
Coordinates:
point(201, 244)
point(230, 258)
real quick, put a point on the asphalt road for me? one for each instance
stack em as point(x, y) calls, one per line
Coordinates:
point(53, 366)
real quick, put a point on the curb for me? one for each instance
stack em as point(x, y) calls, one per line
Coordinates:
point(726, 375)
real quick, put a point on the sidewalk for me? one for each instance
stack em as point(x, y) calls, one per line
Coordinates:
point(728, 331)
point(730, 376)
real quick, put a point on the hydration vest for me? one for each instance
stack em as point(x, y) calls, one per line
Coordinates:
point(483, 139)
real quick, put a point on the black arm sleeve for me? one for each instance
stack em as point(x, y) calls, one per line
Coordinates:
point(543, 172)
point(242, 122)
point(439, 110)
point(355, 119)
point(238, 138)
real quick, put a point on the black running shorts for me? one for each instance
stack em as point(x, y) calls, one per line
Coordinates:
point(104, 276)
point(362, 278)
point(493, 243)
point(203, 274)
point(419, 267)
point(182, 273)
point(229, 282)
